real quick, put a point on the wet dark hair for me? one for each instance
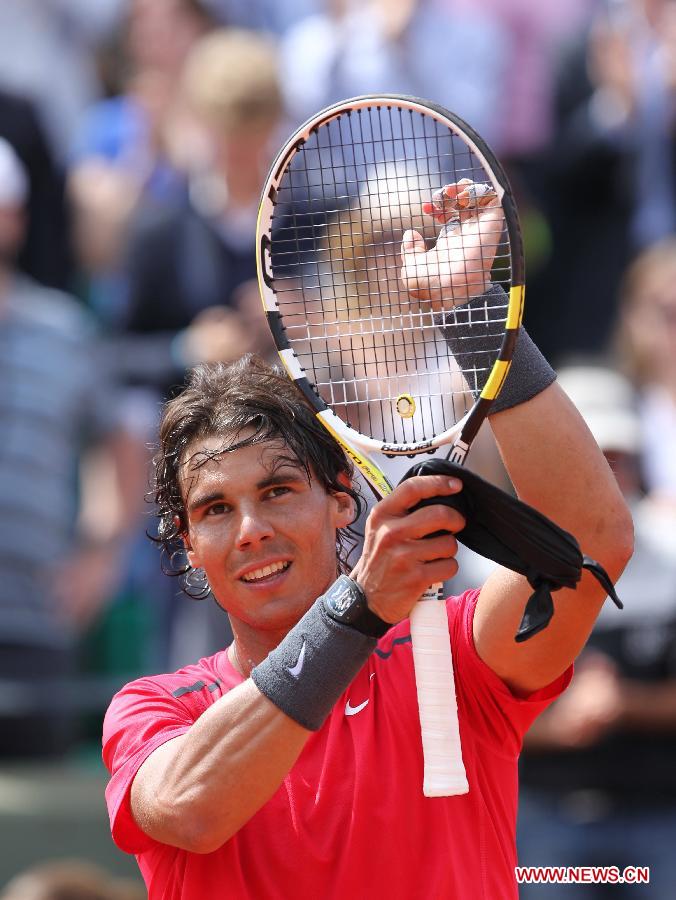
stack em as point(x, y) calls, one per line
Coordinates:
point(225, 401)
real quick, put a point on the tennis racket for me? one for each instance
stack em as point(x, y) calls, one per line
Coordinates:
point(399, 354)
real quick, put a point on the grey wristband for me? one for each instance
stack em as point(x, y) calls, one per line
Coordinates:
point(306, 674)
point(529, 373)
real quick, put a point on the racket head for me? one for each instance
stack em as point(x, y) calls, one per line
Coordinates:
point(369, 358)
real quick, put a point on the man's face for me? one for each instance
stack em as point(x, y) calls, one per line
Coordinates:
point(265, 536)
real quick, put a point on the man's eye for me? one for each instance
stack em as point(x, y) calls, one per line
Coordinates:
point(218, 509)
point(278, 491)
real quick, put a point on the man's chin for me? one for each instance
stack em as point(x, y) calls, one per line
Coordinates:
point(269, 611)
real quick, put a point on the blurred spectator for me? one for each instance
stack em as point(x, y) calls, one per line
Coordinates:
point(264, 15)
point(191, 270)
point(647, 352)
point(610, 185)
point(103, 199)
point(70, 880)
point(53, 575)
point(45, 255)
point(191, 264)
point(424, 48)
point(536, 33)
point(121, 151)
point(129, 128)
point(47, 52)
point(598, 784)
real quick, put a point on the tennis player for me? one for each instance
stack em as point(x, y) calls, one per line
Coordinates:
point(289, 765)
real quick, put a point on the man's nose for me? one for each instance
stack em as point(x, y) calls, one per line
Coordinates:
point(254, 527)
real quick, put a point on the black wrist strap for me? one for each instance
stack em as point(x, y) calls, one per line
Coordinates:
point(513, 534)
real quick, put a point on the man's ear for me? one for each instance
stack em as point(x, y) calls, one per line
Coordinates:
point(346, 510)
point(345, 504)
point(185, 537)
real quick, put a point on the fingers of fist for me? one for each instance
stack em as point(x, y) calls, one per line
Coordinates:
point(454, 203)
point(458, 267)
point(405, 552)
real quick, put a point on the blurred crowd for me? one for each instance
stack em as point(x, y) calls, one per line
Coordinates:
point(135, 136)
point(70, 879)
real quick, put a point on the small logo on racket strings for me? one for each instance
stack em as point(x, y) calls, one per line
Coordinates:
point(298, 668)
point(405, 406)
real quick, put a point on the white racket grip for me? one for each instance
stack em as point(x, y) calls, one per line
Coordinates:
point(444, 771)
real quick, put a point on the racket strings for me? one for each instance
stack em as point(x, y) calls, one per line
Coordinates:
point(352, 190)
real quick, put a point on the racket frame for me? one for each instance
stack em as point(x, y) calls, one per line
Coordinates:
point(462, 433)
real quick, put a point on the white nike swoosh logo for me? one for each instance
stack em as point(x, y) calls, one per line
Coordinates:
point(353, 710)
point(298, 668)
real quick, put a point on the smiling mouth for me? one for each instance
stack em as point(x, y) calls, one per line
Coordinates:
point(265, 572)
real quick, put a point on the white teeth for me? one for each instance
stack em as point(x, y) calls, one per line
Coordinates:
point(265, 571)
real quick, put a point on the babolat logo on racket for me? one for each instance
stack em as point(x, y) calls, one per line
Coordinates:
point(403, 449)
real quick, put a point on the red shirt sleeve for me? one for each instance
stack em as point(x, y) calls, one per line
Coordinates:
point(141, 717)
point(495, 713)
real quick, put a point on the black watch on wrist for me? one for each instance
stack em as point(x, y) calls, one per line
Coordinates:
point(346, 603)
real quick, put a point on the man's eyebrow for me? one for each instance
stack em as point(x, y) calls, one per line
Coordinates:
point(283, 475)
point(204, 499)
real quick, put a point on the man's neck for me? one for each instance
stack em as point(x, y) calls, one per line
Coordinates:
point(250, 647)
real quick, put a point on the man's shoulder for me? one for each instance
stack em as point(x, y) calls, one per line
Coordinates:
point(202, 681)
point(460, 609)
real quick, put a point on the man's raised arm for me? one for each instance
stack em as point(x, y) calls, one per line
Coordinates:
point(556, 467)
point(552, 459)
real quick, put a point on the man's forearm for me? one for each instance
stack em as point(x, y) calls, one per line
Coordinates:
point(555, 466)
point(241, 748)
point(198, 790)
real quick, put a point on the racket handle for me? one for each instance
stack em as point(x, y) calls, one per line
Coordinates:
point(444, 772)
